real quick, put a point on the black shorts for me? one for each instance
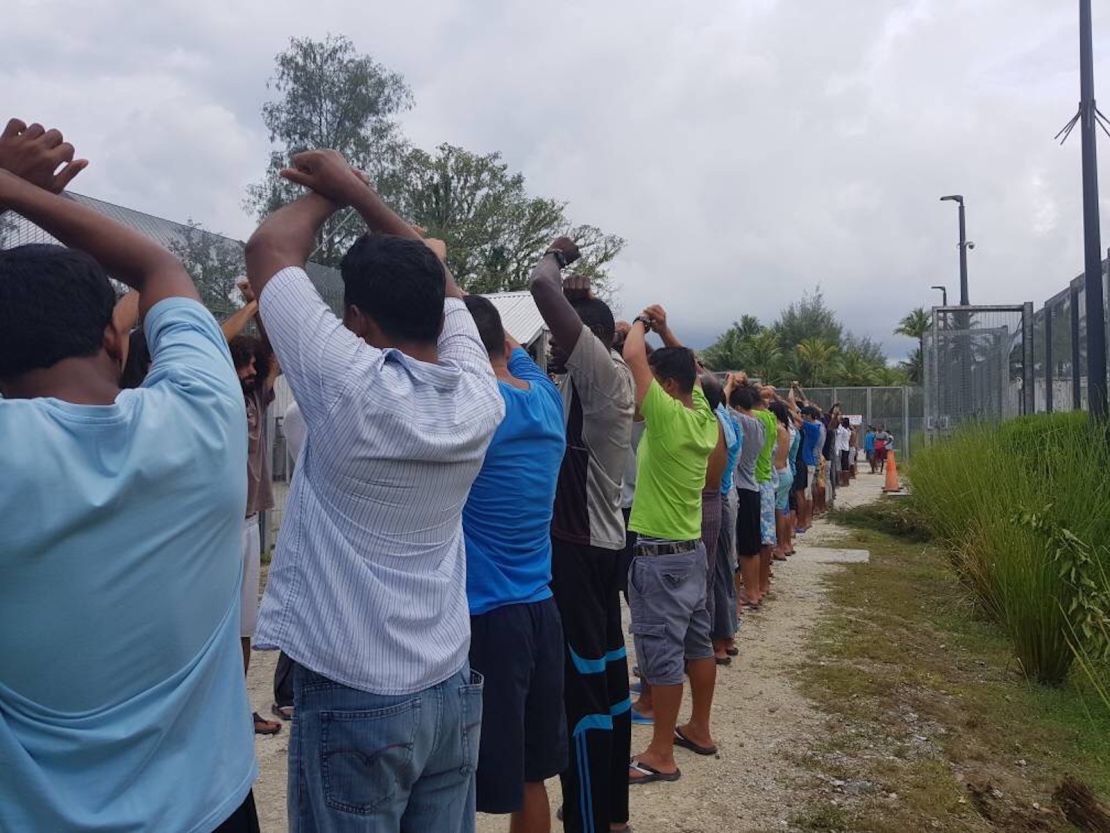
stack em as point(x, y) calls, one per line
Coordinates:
point(243, 820)
point(519, 650)
point(748, 540)
point(801, 478)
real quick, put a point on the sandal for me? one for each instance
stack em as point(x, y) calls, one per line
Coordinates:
point(284, 712)
point(733, 651)
point(641, 720)
point(681, 740)
point(262, 726)
point(649, 774)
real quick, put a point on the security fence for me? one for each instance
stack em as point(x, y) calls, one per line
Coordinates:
point(990, 363)
point(1060, 346)
point(978, 365)
point(898, 409)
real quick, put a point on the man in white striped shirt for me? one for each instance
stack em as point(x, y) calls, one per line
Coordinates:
point(367, 591)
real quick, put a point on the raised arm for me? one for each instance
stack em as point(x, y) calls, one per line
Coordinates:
point(635, 356)
point(327, 173)
point(546, 285)
point(125, 254)
point(235, 323)
point(39, 156)
point(658, 317)
point(285, 238)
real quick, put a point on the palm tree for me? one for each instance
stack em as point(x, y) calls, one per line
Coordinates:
point(764, 357)
point(816, 361)
point(915, 324)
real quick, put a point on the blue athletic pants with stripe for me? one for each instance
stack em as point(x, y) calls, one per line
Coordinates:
point(586, 584)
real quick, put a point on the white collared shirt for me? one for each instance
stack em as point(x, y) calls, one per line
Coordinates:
point(368, 583)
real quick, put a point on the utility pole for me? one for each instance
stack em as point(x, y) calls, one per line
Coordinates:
point(965, 244)
point(1092, 246)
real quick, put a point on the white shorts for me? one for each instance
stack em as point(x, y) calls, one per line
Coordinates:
point(252, 574)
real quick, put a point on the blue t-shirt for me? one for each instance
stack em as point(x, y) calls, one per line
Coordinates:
point(122, 699)
point(811, 442)
point(507, 518)
point(734, 439)
point(869, 441)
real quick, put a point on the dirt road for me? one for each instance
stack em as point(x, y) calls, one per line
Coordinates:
point(760, 722)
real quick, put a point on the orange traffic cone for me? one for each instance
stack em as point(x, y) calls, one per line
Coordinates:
point(892, 484)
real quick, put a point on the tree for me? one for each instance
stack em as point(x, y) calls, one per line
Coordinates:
point(915, 324)
point(495, 232)
point(914, 367)
point(816, 361)
point(808, 319)
point(215, 264)
point(329, 96)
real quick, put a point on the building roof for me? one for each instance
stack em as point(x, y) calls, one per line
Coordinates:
point(519, 315)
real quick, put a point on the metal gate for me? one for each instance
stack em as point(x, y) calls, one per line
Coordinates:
point(979, 366)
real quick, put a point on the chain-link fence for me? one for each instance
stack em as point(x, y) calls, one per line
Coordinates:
point(994, 363)
point(900, 410)
point(978, 365)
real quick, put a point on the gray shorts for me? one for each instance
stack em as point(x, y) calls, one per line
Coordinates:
point(670, 620)
point(811, 486)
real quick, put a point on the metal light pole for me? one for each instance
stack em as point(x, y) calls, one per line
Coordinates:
point(1092, 247)
point(965, 244)
point(943, 294)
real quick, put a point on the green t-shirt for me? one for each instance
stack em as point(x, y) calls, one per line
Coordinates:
point(670, 465)
point(770, 434)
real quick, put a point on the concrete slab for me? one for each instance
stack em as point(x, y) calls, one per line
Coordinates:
point(831, 555)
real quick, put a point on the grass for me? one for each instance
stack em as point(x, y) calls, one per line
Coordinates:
point(932, 727)
point(1023, 512)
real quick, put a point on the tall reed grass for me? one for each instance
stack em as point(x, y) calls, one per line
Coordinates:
point(1024, 511)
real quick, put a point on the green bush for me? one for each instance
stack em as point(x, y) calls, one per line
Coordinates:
point(1024, 511)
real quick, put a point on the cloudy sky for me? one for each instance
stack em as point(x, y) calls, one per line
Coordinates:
point(749, 150)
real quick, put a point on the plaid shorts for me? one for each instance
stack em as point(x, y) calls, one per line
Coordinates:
point(767, 514)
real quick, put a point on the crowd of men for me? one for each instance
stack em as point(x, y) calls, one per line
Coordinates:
point(445, 590)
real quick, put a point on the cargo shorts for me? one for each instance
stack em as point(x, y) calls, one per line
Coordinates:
point(670, 619)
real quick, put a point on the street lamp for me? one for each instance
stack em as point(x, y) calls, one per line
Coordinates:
point(965, 244)
point(943, 294)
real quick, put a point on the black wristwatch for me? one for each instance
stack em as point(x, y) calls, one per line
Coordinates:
point(643, 319)
point(560, 258)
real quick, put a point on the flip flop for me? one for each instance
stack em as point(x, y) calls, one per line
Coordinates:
point(284, 712)
point(732, 652)
point(649, 774)
point(262, 726)
point(683, 741)
point(724, 660)
point(640, 720)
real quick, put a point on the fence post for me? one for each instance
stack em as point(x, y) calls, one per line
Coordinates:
point(906, 418)
point(1048, 358)
point(1028, 375)
point(1076, 388)
point(867, 407)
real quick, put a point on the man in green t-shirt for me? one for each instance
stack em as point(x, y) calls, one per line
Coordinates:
point(764, 476)
point(667, 579)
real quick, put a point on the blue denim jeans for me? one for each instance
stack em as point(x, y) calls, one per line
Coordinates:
point(370, 762)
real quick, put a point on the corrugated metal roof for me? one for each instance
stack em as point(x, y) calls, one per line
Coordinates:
point(519, 315)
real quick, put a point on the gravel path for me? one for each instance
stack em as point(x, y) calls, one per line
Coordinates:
point(760, 722)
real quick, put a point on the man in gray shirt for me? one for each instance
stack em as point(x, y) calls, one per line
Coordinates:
point(742, 396)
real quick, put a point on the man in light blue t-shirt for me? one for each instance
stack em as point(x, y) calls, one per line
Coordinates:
point(122, 699)
point(516, 637)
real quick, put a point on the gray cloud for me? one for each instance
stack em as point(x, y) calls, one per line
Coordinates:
point(747, 151)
